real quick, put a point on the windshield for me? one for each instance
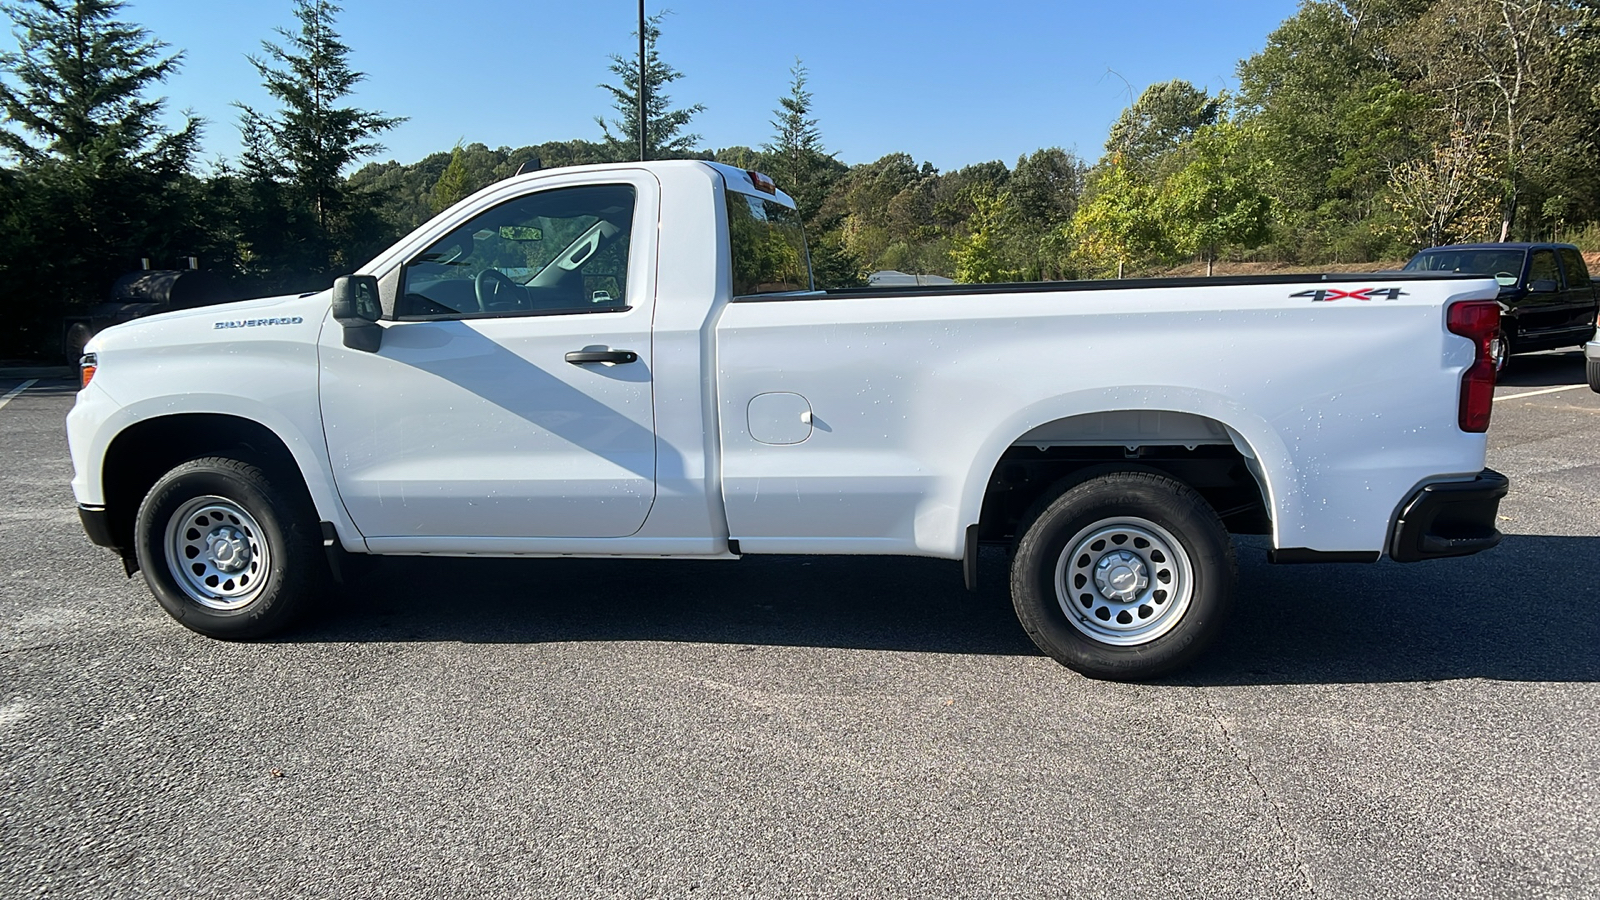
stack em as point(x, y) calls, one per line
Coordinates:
point(769, 247)
point(1504, 264)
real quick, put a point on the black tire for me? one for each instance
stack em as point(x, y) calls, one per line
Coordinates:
point(1133, 624)
point(249, 544)
point(1593, 366)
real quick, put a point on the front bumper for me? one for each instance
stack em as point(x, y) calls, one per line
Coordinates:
point(1453, 518)
point(97, 525)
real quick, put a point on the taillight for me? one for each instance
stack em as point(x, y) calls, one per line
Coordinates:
point(86, 367)
point(1479, 322)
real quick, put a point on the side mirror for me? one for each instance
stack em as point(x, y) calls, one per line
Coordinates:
point(1542, 286)
point(356, 307)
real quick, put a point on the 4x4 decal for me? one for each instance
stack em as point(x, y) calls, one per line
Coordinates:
point(1328, 295)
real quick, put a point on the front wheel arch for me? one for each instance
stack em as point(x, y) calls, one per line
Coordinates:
point(143, 452)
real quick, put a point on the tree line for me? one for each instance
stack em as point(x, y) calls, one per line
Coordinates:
point(1363, 130)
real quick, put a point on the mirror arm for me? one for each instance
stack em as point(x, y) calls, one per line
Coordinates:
point(365, 336)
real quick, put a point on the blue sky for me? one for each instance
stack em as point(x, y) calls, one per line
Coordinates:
point(950, 83)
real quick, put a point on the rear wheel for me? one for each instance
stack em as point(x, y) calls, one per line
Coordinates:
point(229, 551)
point(1125, 576)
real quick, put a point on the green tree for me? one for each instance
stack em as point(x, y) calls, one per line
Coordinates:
point(99, 181)
point(978, 253)
point(1163, 117)
point(665, 137)
point(1499, 61)
point(799, 163)
point(1449, 196)
point(1331, 116)
point(454, 183)
point(1117, 225)
point(312, 138)
point(1214, 201)
point(1045, 188)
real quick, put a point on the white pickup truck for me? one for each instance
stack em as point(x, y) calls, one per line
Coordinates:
point(630, 360)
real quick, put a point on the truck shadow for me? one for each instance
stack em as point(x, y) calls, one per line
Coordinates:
point(1525, 611)
point(1550, 369)
point(872, 603)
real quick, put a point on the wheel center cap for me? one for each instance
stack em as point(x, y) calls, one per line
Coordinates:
point(229, 550)
point(1120, 576)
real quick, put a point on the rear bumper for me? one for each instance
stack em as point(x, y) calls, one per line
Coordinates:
point(1591, 350)
point(1455, 518)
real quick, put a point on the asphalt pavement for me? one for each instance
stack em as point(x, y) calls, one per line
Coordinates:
point(808, 727)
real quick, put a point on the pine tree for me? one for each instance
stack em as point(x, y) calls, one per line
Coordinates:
point(99, 182)
point(312, 138)
point(800, 164)
point(664, 135)
point(454, 185)
point(82, 76)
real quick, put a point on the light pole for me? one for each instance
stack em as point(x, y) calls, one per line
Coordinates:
point(642, 87)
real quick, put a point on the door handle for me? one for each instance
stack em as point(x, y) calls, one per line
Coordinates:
point(580, 357)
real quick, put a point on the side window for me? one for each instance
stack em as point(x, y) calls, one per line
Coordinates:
point(768, 247)
point(1542, 267)
point(561, 250)
point(1577, 272)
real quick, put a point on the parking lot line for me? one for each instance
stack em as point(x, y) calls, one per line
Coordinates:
point(1554, 390)
point(17, 390)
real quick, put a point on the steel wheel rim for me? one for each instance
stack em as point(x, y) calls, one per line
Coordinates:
point(1124, 581)
point(217, 553)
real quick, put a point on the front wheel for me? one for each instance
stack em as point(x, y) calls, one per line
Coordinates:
point(226, 550)
point(1594, 374)
point(1125, 576)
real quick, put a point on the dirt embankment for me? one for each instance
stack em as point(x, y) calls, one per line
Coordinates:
point(1278, 268)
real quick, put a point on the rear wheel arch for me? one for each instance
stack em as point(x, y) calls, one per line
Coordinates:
point(1207, 454)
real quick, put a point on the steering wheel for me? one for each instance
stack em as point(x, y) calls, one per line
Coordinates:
point(497, 292)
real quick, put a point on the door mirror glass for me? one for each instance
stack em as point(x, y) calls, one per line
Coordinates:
point(356, 307)
point(355, 300)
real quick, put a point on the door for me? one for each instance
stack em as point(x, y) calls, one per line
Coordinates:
point(1544, 311)
point(1578, 293)
point(511, 396)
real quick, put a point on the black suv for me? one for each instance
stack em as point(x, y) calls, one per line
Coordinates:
point(1546, 297)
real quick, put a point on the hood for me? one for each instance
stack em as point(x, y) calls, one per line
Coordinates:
point(289, 317)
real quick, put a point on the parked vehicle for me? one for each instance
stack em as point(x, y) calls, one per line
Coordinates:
point(1591, 356)
point(144, 293)
point(1547, 298)
point(630, 360)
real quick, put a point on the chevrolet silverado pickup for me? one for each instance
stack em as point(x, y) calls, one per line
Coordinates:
point(631, 361)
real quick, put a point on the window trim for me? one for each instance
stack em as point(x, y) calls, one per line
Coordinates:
point(512, 314)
